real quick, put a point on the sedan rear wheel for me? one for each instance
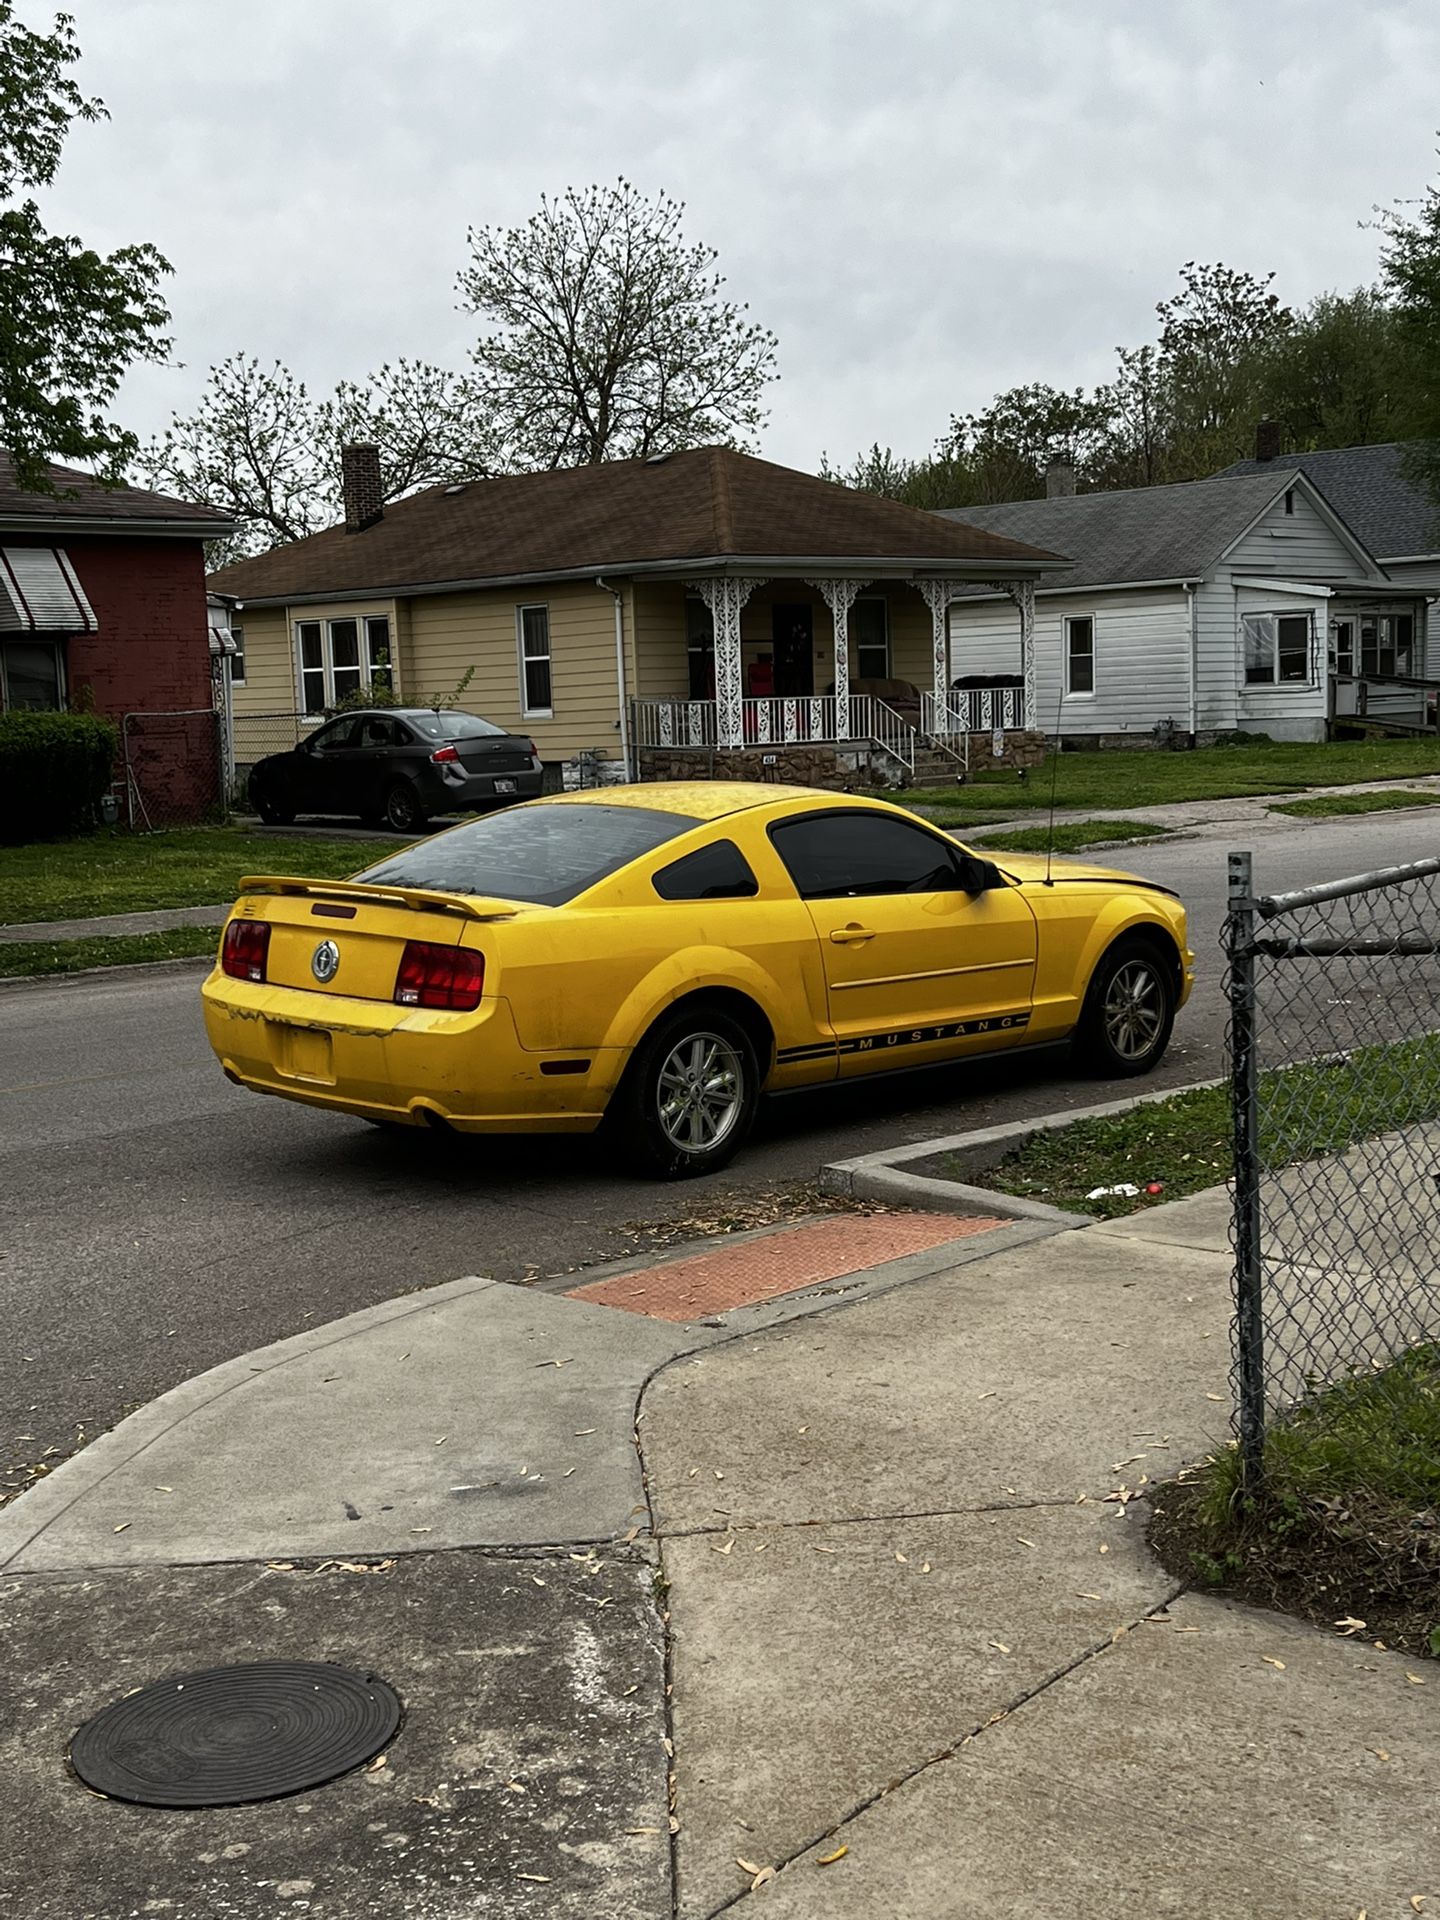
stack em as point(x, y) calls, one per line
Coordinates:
point(688, 1099)
point(1129, 1011)
point(403, 810)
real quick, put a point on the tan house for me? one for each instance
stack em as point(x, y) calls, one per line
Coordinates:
point(700, 611)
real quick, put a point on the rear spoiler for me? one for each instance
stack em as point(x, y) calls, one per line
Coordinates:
point(418, 899)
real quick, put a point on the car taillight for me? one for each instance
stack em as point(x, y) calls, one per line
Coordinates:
point(433, 976)
point(534, 750)
point(246, 949)
point(442, 754)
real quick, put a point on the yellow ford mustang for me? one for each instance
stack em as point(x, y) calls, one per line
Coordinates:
point(656, 957)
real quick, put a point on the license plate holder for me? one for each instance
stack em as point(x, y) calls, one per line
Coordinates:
point(304, 1053)
point(505, 786)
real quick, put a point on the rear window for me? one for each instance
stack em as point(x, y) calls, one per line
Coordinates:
point(453, 726)
point(546, 855)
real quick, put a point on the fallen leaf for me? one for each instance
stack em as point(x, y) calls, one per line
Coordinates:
point(902, 1559)
point(1023, 1541)
point(1271, 1661)
point(990, 1395)
point(633, 1534)
point(1214, 1396)
point(925, 1566)
point(1349, 1625)
point(514, 1786)
point(747, 1866)
point(538, 1581)
point(829, 1859)
point(1414, 1679)
point(1417, 1902)
point(122, 1526)
point(540, 1879)
point(443, 1438)
point(765, 1873)
point(1104, 1547)
point(762, 1546)
point(718, 1474)
point(729, 1544)
point(826, 1549)
point(584, 1433)
point(164, 1489)
point(380, 1760)
point(999, 1646)
point(640, 1829)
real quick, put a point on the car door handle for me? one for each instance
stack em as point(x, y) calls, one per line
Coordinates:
point(843, 935)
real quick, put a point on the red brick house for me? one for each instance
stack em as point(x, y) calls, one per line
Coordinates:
point(103, 606)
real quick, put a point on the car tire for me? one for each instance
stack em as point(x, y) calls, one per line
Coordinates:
point(688, 1098)
point(273, 814)
point(1129, 1010)
point(403, 811)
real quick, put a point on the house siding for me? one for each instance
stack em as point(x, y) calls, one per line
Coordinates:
point(1292, 712)
point(1422, 576)
point(1295, 546)
point(1142, 656)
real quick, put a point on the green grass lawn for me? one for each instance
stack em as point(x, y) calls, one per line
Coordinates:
point(1210, 773)
point(114, 872)
point(1322, 806)
point(1071, 838)
point(21, 958)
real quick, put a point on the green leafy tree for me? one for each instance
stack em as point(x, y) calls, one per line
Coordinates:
point(261, 447)
point(72, 321)
point(609, 335)
point(1216, 339)
point(1009, 446)
point(1337, 378)
point(1410, 275)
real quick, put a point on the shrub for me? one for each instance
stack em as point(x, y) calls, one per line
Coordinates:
point(54, 767)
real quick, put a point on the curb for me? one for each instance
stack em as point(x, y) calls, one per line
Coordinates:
point(130, 969)
point(40, 1505)
point(884, 1175)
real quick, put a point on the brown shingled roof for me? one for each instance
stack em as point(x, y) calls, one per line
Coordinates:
point(80, 496)
point(710, 504)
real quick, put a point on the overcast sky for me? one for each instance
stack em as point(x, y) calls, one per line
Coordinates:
point(927, 202)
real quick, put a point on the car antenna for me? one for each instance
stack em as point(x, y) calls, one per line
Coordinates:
point(1054, 777)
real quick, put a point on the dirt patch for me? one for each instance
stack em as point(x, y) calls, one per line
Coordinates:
point(1360, 1568)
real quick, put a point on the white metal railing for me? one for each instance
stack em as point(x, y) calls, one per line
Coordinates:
point(780, 720)
point(967, 710)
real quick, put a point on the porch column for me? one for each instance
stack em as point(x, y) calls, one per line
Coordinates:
point(937, 595)
point(725, 594)
point(839, 596)
point(1022, 592)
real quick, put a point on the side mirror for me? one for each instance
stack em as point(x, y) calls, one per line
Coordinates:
point(979, 876)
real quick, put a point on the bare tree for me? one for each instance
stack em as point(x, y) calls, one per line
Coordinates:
point(610, 334)
point(259, 447)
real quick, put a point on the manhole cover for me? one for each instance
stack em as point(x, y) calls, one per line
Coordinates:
point(231, 1735)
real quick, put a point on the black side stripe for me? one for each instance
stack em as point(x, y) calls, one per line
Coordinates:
point(906, 1037)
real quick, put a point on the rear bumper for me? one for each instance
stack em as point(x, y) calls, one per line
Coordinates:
point(448, 791)
point(404, 1064)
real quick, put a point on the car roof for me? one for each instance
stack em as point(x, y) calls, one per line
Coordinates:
point(697, 799)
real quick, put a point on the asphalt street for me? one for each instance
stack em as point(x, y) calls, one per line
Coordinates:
point(155, 1220)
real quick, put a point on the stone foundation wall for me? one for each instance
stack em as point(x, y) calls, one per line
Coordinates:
point(839, 770)
point(1021, 750)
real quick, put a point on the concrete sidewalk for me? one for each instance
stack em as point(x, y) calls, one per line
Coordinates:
point(876, 1580)
point(114, 925)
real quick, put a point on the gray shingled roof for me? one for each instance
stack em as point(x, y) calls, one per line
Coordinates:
point(1370, 490)
point(1146, 533)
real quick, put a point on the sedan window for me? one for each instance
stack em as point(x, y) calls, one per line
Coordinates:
point(834, 855)
point(376, 730)
point(718, 872)
point(455, 726)
point(340, 733)
point(544, 854)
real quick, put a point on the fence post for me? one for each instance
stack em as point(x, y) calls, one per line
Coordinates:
point(1245, 1117)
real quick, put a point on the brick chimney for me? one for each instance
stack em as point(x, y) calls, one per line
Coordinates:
point(1267, 440)
point(360, 485)
point(1059, 480)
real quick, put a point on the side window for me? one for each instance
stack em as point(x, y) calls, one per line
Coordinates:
point(832, 855)
point(376, 731)
point(340, 734)
point(719, 872)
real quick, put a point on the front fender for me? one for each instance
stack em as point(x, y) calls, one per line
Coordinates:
point(1123, 916)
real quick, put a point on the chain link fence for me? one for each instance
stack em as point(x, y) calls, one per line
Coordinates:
point(1334, 995)
point(172, 770)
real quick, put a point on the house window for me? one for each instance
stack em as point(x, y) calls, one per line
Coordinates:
point(1080, 654)
point(339, 657)
point(536, 694)
point(1277, 648)
point(700, 647)
point(1387, 645)
point(1289, 500)
point(237, 658)
point(32, 676)
point(870, 625)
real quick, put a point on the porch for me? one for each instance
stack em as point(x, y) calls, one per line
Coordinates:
point(856, 665)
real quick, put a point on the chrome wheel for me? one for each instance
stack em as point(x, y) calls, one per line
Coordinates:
point(1134, 1010)
point(700, 1092)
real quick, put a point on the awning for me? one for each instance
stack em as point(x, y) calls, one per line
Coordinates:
point(39, 593)
point(222, 640)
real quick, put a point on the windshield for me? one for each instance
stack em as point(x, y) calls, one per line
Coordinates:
point(452, 726)
point(546, 855)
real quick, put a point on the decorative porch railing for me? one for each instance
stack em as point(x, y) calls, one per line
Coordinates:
point(967, 710)
point(781, 720)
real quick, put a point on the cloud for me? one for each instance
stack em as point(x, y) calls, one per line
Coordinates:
point(927, 202)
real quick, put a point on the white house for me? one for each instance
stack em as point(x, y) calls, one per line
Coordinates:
point(1243, 602)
